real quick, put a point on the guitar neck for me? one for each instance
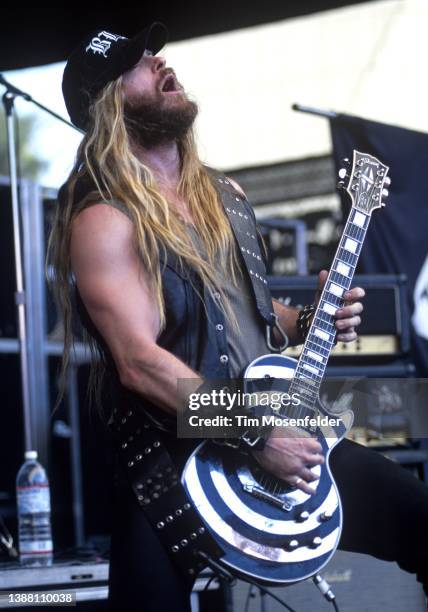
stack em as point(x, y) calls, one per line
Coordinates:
point(320, 340)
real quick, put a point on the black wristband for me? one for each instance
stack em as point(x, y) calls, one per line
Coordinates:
point(304, 321)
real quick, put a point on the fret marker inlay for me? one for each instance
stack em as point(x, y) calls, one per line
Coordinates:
point(310, 368)
point(315, 356)
point(322, 334)
point(351, 245)
point(342, 268)
point(359, 219)
point(336, 290)
point(329, 308)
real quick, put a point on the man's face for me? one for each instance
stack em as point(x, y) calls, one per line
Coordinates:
point(156, 107)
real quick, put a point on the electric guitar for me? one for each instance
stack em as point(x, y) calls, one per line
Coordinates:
point(271, 531)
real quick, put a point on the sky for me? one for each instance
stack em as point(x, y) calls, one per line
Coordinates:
point(53, 140)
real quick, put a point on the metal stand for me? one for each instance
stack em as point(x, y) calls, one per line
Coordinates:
point(330, 114)
point(20, 299)
point(20, 296)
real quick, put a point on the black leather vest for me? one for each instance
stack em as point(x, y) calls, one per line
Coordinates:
point(198, 337)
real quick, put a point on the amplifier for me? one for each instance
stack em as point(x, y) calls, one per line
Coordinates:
point(360, 583)
point(385, 326)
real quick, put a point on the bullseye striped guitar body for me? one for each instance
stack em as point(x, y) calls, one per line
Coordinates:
point(269, 530)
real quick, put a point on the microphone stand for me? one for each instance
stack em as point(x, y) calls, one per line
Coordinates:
point(9, 96)
point(329, 114)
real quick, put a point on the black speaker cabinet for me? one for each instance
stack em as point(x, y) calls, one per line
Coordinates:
point(385, 304)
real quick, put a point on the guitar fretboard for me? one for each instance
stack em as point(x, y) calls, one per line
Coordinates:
point(320, 340)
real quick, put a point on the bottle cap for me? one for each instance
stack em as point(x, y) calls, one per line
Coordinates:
point(32, 454)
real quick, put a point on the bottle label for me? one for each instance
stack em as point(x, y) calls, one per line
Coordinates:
point(33, 499)
point(27, 547)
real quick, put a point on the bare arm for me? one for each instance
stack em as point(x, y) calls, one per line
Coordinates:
point(116, 292)
point(287, 317)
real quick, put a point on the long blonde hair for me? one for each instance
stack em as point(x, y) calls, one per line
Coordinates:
point(105, 156)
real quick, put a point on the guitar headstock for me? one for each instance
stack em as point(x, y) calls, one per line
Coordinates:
point(366, 182)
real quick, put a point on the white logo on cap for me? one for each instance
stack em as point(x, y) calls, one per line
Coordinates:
point(102, 42)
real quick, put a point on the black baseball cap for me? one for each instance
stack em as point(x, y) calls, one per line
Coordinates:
point(102, 57)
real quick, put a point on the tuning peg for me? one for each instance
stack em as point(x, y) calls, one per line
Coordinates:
point(387, 181)
point(385, 193)
point(342, 173)
point(347, 161)
point(341, 185)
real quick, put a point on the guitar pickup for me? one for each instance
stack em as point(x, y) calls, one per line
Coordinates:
point(260, 493)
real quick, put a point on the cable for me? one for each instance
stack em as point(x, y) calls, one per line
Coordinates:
point(207, 586)
point(216, 567)
point(322, 585)
point(326, 590)
point(265, 590)
point(250, 594)
point(224, 574)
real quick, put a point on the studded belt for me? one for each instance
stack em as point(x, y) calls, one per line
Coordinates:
point(156, 483)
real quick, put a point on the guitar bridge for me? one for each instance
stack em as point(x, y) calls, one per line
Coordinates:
point(260, 493)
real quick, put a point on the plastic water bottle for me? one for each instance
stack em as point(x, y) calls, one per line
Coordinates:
point(34, 513)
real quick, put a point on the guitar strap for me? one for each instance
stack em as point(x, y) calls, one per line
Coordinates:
point(243, 223)
point(156, 483)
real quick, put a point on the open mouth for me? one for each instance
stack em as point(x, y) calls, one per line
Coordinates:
point(170, 85)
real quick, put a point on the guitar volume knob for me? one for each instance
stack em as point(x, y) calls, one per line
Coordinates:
point(292, 545)
point(303, 516)
point(317, 541)
point(325, 516)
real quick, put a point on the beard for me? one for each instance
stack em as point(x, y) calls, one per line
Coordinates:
point(155, 120)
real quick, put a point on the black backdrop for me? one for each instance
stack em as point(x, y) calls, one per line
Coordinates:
point(397, 239)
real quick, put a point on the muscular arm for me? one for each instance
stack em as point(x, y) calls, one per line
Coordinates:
point(116, 292)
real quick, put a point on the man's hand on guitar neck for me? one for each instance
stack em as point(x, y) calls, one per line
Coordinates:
point(348, 317)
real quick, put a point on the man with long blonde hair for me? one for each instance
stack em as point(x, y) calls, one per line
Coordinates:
point(163, 286)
